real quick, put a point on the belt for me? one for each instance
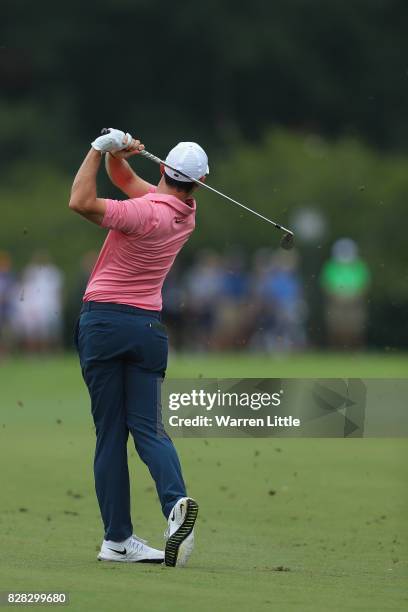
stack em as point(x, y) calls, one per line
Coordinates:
point(88, 306)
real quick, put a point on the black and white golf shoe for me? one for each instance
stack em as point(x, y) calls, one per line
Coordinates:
point(180, 532)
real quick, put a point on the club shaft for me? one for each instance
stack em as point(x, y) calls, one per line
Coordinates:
point(157, 160)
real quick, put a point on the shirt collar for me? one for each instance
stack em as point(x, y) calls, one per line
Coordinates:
point(174, 202)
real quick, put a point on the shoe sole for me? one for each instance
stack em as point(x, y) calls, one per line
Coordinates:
point(107, 560)
point(177, 538)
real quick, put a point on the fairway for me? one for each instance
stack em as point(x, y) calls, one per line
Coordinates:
point(284, 524)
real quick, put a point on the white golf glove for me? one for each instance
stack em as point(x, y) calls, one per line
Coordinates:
point(114, 140)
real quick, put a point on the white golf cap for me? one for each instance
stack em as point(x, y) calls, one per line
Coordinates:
point(188, 157)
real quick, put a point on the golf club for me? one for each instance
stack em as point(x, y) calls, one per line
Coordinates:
point(287, 240)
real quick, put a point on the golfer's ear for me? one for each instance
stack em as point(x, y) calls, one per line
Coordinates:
point(203, 179)
point(161, 168)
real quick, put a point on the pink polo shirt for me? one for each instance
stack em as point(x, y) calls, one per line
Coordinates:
point(145, 237)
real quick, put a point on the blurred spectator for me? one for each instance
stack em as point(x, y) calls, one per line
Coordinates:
point(38, 307)
point(7, 285)
point(345, 279)
point(74, 302)
point(230, 327)
point(87, 262)
point(174, 307)
point(203, 285)
point(86, 265)
point(280, 307)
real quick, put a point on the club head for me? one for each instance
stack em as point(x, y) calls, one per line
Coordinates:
point(287, 242)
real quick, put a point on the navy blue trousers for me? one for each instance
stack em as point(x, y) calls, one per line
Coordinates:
point(123, 356)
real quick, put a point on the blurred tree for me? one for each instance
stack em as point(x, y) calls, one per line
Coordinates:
point(206, 71)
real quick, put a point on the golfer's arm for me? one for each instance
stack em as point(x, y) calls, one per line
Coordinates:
point(123, 177)
point(83, 198)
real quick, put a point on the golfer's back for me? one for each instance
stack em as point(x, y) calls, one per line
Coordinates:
point(146, 235)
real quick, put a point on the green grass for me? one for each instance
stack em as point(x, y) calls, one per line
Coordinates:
point(336, 519)
point(240, 365)
point(314, 365)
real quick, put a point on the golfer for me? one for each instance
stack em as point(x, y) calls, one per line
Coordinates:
point(121, 342)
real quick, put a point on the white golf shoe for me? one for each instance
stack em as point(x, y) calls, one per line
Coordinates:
point(132, 550)
point(180, 532)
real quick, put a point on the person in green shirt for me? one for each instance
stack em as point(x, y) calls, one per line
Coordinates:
point(345, 279)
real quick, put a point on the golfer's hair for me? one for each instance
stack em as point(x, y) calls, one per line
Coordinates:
point(180, 185)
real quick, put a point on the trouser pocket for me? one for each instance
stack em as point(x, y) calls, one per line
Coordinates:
point(157, 325)
point(155, 348)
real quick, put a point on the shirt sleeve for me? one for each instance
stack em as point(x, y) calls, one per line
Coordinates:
point(128, 216)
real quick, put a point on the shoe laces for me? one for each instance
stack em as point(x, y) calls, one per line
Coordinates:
point(138, 543)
